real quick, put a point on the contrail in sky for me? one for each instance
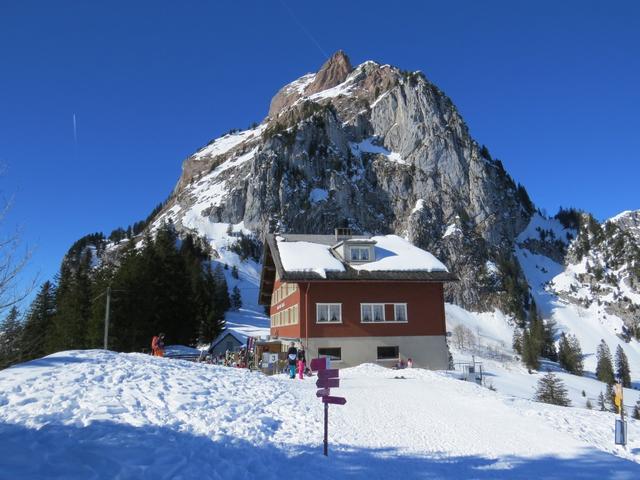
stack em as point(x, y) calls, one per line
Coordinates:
point(302, 27)
point(75, 130)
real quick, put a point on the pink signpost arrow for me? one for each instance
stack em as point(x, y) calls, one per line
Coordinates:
point(328, 383)
point(329, 373)
point(327, 378)
point(318, 364)
point(334, 400)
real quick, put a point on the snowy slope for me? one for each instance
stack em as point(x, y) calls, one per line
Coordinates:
point(548, 278)
point(505, 372)
point(97, 414)
point(250, 320)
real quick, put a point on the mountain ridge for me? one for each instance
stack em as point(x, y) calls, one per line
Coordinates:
point(388, 152)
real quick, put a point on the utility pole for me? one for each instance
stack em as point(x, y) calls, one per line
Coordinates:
point(106, 319)
point(107, 313)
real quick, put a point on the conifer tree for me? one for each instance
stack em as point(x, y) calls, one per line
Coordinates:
point(570, 354)
point(601, 403)
point(622, 367)
point(536, 332)
point(530, 349)
point(212, 319)
point(234, 272)
point(10, 336)
point(548, 340)
point(636, 411)
point(552, 390)
point(73, 306)
point(222, 291)
point(576, 352)
point(38, 323)
point(517, 341)
point(604, 367)
point(236, 298)
point(609, 398)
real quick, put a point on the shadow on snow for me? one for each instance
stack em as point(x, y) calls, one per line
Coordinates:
point(106, 450)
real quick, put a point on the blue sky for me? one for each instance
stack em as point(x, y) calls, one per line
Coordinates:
point(550, 87)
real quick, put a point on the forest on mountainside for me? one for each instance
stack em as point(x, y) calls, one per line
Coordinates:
point(165, 284)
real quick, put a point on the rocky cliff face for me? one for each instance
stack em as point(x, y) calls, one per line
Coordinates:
point(374, 148)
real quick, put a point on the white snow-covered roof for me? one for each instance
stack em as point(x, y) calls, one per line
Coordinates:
point(321, 256)
point(393, 253)
point(308, 257)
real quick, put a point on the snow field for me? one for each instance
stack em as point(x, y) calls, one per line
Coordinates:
point(98, 414)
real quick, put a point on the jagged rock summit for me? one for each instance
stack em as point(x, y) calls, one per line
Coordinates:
point(332, 73)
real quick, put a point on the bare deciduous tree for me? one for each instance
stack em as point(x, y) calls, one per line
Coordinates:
point(12, 263)
point(463, 337)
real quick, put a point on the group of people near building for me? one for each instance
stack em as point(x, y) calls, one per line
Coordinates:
point(297, 361)
point(239, 359)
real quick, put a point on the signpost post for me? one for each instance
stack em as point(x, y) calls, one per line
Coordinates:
point(621, 425)
point(327, 379)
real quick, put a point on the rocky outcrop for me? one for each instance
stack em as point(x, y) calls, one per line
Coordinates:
point(332, 73)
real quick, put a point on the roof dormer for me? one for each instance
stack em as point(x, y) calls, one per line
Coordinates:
point(356, 250)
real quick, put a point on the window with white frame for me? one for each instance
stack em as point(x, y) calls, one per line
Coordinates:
point(359, 254)
point(372, 312)
point(376, 313)
point(334, 353)
point(328, 312)
point(400, 312)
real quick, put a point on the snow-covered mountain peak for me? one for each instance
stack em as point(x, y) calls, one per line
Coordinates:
point(629, 221)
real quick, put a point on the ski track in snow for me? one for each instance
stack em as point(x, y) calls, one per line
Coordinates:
point(97, 414)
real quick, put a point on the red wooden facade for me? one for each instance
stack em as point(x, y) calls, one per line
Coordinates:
point(424, 308)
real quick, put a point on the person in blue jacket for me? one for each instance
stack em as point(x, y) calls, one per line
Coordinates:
point(292, 357)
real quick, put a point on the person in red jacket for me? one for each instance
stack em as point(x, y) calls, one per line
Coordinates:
point(157, 345)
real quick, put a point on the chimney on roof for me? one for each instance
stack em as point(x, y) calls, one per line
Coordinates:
point(342, 234)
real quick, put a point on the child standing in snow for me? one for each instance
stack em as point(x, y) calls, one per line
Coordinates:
point(302, 362)
point(292, 357)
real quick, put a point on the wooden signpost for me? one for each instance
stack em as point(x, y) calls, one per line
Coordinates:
point(327, 379)
point(621, 424)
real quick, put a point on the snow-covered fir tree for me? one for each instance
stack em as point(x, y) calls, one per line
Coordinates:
point(622, 367)
point(552, 390)
point(570, 354)
point(604, 367)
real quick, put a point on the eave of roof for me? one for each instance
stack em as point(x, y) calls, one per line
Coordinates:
point(224, 335)
point(350, 274)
